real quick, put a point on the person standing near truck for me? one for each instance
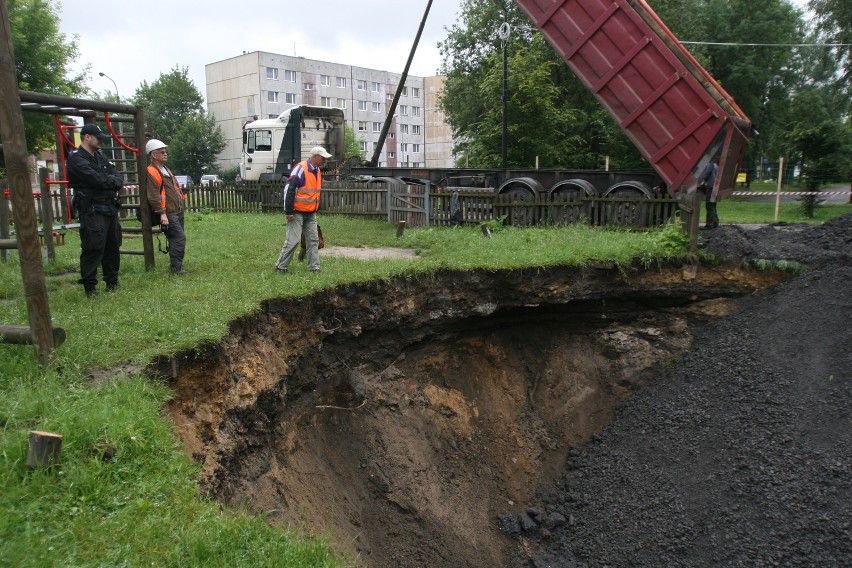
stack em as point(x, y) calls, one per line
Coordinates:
point(706, 183)
point(96, 182)
point(168, 201)
point(301, 202)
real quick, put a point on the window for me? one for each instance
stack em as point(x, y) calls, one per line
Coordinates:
point(415, 129)
point(415, 92)
point(341, 103)
point(290, 98)
point(377, 107)
point(272, 96)
point(391, 155)
point(415, 148)
point(405, 91)
point(403, 129)
point(325, 80)
point(362, 126)
point(375, 87)
point(325, 101)
point(415, 111)
point(290, 76)
point(341, 82)
point(272, 73)
point(362, 105)
point(361, 85)
point(363, 145)
point(309, 86)
point(389, 96)
point(403, 110)
point(403, 147)
point(391, 135)
point(259, 140)
point(271, 116)
point(377, 127)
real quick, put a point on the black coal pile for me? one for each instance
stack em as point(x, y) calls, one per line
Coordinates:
point(741, 454)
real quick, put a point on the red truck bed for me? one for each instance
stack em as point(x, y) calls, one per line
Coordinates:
point(668, 105)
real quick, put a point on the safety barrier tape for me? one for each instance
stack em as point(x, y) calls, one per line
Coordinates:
point(797, 193)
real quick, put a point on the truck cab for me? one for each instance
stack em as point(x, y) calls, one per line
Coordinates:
point(271, 147)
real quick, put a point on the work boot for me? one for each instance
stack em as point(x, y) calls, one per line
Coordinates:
point(112, 287)
point(91, 291)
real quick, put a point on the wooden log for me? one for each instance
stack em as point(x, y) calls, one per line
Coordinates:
point(45, 450)
point(8, 244)
point(400, 228)
point(23, 335)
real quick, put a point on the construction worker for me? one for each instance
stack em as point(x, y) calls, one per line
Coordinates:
point(301, 202)
point(167, 202)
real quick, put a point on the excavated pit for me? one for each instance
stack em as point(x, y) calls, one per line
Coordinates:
point(402, 419)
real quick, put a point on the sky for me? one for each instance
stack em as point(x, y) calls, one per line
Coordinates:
point(133, 42)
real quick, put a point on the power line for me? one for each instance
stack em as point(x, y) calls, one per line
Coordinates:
point(767, 44)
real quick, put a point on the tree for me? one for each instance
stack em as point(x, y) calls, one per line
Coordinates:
point(834, 20)
point(42, 63)
point(353, 146)
point(167, 102)
point(195, 145)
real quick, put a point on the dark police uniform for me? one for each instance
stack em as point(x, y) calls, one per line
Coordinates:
point(96, 183)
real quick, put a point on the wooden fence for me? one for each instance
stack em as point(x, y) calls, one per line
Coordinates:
point(371, 199)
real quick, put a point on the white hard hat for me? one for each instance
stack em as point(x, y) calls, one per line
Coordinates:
point(154, 144)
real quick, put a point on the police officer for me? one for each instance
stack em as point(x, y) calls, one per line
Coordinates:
point(96, 183)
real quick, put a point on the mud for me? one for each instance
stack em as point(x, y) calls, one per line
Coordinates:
point(465, 419)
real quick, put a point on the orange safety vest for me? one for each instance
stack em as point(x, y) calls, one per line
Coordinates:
point(307, 197)
point(155, 173)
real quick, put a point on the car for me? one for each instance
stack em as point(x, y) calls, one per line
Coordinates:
point(184, 181)
point(210, 179)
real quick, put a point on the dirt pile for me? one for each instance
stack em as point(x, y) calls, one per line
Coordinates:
point(458, 420)
point(740, 455)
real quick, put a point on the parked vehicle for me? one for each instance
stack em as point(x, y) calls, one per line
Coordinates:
point(210, 179)
point(271, 147)
point(184, 181)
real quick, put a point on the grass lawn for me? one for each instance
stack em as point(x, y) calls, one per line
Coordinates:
point(125, 493)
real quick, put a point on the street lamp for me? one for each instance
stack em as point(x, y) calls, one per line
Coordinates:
point(117, 98)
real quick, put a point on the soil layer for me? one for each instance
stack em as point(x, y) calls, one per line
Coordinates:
point(489, 418)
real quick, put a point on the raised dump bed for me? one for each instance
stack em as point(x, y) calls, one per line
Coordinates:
point(670, 107)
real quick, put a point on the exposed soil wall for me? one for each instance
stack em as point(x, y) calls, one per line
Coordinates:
point(402, 418)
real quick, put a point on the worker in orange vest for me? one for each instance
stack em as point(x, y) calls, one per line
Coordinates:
point(301, 202)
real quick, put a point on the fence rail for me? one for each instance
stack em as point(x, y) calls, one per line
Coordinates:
point(411, 203)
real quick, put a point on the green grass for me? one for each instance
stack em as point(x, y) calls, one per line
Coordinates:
point(142, 507)
point(745, 210)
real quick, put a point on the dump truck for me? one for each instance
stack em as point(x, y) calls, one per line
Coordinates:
point(674, 112)
point(271, 147)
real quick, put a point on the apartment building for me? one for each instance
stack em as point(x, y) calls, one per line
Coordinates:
point(267, 84)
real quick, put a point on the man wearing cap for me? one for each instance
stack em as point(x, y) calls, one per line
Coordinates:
point(301, 201)
point(96, 182)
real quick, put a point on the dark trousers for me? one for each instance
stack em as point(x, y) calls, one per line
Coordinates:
point(177, 242)
point(711, 220)
point(100, 241)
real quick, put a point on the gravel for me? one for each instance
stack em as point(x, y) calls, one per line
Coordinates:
point(740, 454)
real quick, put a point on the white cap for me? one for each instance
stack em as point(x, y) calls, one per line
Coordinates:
point(320, 151)
point(154, 144)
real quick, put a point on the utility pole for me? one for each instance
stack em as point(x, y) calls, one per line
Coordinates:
point(503, 32)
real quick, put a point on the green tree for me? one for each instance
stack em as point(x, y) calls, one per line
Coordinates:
point(195, 145)
point(351, 142)
point(167, 102)
point(43, 57)
point(834, 21)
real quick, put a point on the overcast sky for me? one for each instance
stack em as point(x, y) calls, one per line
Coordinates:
point(137, 41)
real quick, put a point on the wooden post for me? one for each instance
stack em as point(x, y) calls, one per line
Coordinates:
point(400, 228)
point(46, 214)
point(142, 178)
point(485, 230)
point(45, 450)
point(778, 192)
point(15, 153)
point(4, 219)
